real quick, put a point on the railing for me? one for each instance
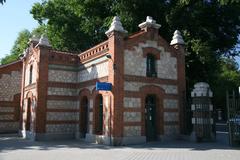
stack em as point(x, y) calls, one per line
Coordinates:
point(98, 49)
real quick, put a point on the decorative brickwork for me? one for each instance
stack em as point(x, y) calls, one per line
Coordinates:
point(60, 128)
point(132, 116)
point(59, 97)
point(135, 86)
point(130, 131)
point(132, 102)
point(170, 103)
point(60, 104)
point(10, 85)
point(10, 88)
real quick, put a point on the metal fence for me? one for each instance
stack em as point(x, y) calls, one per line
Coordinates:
point(233, 107)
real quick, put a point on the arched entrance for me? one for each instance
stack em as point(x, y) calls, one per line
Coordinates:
point(150, 117)
point(99, 114)
point(28, 118)
point(84, 116)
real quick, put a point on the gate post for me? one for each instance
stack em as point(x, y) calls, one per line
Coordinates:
point(202, 108)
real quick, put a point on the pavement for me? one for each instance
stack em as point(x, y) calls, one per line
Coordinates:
point(16, 148)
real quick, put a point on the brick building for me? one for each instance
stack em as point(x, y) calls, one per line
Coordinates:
point(59, 98)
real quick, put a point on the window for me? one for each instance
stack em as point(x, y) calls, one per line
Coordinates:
point(30, 74)
point(151, 66)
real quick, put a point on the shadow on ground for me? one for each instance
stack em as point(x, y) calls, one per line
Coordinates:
point(8, 143)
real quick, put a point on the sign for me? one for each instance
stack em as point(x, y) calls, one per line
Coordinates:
point(103, 86)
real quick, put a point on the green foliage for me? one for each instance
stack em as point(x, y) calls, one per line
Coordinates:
point(19, 46)
point(210, 27)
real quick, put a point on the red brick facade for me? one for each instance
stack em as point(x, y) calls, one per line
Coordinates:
point(10, 78)
point(64, 102)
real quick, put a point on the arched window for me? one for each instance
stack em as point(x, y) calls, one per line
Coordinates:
point(30, 74)
point(99, 114)
point(151, 66)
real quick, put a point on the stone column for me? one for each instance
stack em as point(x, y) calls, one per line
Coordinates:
point(202, 108)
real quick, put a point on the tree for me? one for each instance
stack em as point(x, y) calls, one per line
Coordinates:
point(19, 46)
point(210, 28)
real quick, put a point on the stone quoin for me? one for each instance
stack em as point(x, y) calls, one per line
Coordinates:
point(50, 94)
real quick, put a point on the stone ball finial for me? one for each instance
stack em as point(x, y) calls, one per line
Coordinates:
point(177, 38)
point(150, 22)
point(116, 25)
point(43, 41)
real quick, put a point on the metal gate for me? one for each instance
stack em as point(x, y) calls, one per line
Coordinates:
point(233, 107)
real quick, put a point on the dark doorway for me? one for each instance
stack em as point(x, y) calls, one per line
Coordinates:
point(99, 114)
point(28, 120)
point(150, 118)
point(84, 116)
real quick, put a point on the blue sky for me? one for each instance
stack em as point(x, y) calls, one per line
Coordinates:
point(14, 17)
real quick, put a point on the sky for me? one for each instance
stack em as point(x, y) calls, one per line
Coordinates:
point(14, 17)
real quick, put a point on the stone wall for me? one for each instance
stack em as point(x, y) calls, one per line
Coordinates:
point(62, 91)
point(62, 76)
point(171, 130)
point(62, 116)
point(10, 88)
point(61, 104)
point(170, 103)
point(132, 117)
point(135, 86)
point(135, 63)
point(10, 85)
point(130, 102)
point(60, 128)
point(93, 72)
point(130, 131)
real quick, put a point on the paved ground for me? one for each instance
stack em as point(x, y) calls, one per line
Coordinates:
point(12, 148)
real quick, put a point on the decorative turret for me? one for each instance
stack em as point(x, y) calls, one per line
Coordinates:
point(177, 38)
point(116, 25)
point(149, 23)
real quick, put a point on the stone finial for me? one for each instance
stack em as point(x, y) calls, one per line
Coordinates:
point(116, 25)
point(34, 38)
point(177, 38)
point(201, 89)
point(150, 22)
point(43, 41)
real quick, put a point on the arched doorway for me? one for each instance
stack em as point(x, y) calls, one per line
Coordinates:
point(99, 114)
point(84, 116)
point(28, 118)
point(150, 117)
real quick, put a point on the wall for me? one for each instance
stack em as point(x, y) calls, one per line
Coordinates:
point(135, 79)
point(10, 86)
point(65, 83)
point(135, 62)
